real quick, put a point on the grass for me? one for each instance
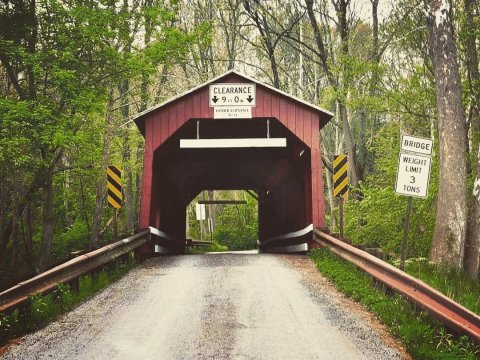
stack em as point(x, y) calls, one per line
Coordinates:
point(214, 247)
point(451, 282)
point(44, 309)
point(423, 336)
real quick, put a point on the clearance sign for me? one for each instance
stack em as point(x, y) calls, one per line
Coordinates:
point(232, 100)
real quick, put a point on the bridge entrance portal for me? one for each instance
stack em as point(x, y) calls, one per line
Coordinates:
point(275, 154)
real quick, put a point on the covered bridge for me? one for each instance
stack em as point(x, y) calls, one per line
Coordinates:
point(234, 132)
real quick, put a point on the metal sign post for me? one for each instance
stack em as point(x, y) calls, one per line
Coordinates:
point(115, 225)
point(413, 176)
point(342, 224)
point(406, 226)
point(210, 228)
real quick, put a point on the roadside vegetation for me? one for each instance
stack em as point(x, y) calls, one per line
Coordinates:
point(214, 247)
point(43, 309)
point(423, 336)
point(235, 227)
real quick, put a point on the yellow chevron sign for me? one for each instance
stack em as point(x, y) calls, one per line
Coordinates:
point(340, 176)
point(114, 186)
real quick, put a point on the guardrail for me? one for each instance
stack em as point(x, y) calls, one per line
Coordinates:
point(450, 313)
point(70, 271)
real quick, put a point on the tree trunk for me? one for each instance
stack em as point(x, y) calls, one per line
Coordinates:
point(341, 10)
point(472, 62)
point(47, 222)
point(256, 14)
point(450, 226)
point(331, 202)
point(16, 219)
point(3, 207)
point(83, 203)
point(350, 144)
point(472, 244)
point(212, 208)
point(124, 89)
point(28, 234)
point(102, 184)
point(26, 197)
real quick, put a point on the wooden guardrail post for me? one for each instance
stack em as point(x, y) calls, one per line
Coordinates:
point(74, 285)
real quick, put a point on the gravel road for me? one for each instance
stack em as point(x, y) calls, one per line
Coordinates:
point(213, 306)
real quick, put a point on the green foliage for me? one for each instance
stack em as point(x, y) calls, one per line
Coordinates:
point(71, 60)
point(214, 247)
point(9, 326)
point(377, 219)
point(75, 237)
point(424, 337)
point(236, 226)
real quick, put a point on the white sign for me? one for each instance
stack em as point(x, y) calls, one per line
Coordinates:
point(413, 175)
point(232, 95)
point(200, 211)
point(416, 145)
point(232, 112)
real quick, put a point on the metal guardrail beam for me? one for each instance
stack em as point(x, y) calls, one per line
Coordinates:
point(70, 270)
point(450, 313)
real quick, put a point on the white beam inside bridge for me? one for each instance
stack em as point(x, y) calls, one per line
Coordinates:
point(232, 143)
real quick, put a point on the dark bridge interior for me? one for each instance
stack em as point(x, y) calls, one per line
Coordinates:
point(278, 175)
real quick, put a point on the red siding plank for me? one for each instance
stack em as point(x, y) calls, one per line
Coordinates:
point(180, 108)
point(189, 110)
point(146, 197)
point(299, 121)
point(205, 108)
point(157, 130)
point(267, 103)
point(307, 129)
point(172, 120)
point(290, 120)
point(283, 115)
point(275, 112)
point(258, 111)
point(197, 105)
point(164, 127)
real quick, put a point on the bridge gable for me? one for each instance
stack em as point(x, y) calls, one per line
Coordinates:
point(302, 119)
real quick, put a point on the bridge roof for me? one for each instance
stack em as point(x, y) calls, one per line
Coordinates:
point(324, 114)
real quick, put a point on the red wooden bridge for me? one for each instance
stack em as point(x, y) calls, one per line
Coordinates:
point(276, 153)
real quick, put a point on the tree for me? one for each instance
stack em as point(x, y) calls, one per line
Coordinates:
point(450, 227)
point(472, 243)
